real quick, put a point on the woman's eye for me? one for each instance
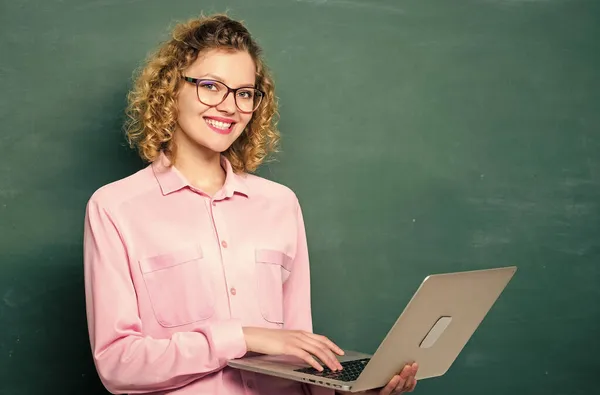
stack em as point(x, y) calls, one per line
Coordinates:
point(209, 86)
point(246, 94)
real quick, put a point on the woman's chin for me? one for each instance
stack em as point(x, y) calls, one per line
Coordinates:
point(216, 146)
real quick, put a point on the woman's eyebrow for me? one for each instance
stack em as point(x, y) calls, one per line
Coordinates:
point(219, 79)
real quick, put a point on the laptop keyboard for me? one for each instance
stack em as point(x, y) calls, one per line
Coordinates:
point(350, 372)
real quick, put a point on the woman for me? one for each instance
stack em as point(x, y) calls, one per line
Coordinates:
point(193, 261)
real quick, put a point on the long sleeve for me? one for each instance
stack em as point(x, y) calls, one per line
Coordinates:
point(296, 294)
point(126, 360)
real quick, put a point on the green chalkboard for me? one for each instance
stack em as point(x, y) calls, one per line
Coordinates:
point(421, 136)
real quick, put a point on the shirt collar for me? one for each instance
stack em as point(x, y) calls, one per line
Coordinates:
point(170, 179)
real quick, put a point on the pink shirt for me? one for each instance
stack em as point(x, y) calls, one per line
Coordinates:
point(172, 275)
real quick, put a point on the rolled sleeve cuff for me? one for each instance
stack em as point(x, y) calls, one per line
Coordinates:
point(228, 340)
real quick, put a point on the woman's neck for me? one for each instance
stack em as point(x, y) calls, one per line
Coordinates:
point(201, 167)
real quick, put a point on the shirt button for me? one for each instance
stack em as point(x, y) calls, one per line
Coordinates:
point(214, 203)
point(250, 384)
point(233, 291)
point(224, 244)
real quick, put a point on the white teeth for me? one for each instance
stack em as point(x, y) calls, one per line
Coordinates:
point(218, 124)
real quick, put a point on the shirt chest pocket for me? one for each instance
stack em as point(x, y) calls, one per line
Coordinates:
point(272, 270)
point(179, 286)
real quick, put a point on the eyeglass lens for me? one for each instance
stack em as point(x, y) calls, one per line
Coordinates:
point(213, 93)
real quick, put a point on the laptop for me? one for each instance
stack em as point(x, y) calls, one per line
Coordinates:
point(432, 330)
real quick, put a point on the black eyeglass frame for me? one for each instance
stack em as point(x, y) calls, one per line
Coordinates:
point(197, 81)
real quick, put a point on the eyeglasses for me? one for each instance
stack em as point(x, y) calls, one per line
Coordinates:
point(212, 93)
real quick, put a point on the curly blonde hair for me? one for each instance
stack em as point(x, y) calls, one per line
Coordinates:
point(152, 103)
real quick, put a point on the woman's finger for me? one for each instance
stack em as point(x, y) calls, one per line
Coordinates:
point(405, 375)
point(324, 339)
point(415, 368)
point(316, 351)
point(407, 372)
point(389, 388)
point(300, 353)
point(406, 387)
point(325, 349)
point(412, 385)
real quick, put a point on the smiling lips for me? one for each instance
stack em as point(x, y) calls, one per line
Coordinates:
point(220, 125)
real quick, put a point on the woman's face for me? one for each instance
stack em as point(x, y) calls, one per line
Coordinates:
point(215, 127)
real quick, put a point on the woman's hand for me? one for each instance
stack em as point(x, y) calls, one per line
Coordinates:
point(301, 344)
point(399, 384)
point(403, 382)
